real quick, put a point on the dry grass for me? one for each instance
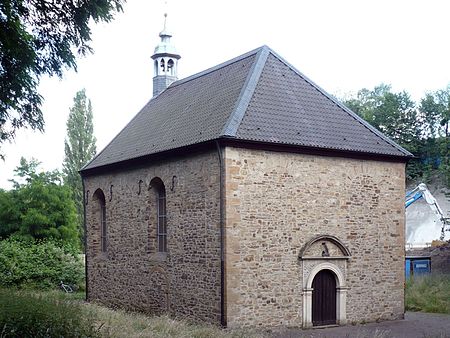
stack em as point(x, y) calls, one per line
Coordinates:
point(429, 293)
point(119, 323)
point(108, 323)
point(55, 310)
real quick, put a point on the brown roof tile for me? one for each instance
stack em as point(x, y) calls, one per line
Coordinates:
point(255, 97)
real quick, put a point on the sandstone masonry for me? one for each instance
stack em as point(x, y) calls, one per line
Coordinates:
point(185, 281)
point(275, 203)
point(282, 206)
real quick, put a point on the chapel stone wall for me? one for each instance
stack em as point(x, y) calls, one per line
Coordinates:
point(132, 274)
point(276, 202)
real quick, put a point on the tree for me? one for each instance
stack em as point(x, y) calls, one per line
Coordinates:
point(79, 148)
point(435, 108)
point(39, 206)
point(424, 129)
point(395, 115)
point(39, 37)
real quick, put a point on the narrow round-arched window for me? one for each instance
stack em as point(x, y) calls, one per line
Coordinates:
point(99, 197)
point(170, 66)
point(163, 66)
point(160, 190)
point(156, 67)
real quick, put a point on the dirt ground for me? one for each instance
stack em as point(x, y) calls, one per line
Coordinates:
point(415, 324)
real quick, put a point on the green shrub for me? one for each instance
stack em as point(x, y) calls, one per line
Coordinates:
point(26, 314)
point(429, 293)
point(39, 206)
point(39, 264)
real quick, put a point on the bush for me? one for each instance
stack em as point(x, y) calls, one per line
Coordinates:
point(39, 264)
point(39, 206)
point(429, 293)
point(25, 314)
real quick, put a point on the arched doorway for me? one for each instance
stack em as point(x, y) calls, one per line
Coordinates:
point(324, 298)
point(316, 265)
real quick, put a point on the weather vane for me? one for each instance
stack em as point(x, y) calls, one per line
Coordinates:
point(165, 13)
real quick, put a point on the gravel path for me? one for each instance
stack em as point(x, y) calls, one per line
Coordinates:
point(415, 324)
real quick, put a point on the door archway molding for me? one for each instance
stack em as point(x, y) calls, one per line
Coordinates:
point(341, 294)
point(312, 263)
point(340, 280)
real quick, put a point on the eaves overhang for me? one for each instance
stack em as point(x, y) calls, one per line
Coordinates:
point(227, 141)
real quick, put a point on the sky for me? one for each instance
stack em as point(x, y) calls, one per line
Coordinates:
point(342, 46)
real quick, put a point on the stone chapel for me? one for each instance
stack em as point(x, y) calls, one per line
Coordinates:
point(245, 195)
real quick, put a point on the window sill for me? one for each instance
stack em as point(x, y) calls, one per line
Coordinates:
point(103, 256)
point(158, 257)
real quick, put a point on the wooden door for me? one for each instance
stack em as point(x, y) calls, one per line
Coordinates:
point(324, 298)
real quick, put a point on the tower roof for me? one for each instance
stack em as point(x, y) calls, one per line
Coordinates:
point(165, 46)
point(257, 98)
point(165, 32)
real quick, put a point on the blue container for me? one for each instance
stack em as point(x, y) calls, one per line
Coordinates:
point(407, 268)
point(416, 266)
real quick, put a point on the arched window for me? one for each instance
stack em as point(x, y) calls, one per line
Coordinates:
point(160, 191)
point(170, 65)
point(163, 66)
point(99, 196)
point(156, 67)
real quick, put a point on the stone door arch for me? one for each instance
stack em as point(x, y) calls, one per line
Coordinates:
point(324, 253)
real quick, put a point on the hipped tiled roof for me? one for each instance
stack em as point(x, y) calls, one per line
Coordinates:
point(256, 97)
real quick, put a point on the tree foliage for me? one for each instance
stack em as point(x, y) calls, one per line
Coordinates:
point(39, 206)
point(394, 114)
point(422, 129)
point(435, 108)
point(41, 37)
point(39, 264)
point(79, 148)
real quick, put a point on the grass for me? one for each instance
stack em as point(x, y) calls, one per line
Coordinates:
point(429, 293)
point(47, 313)
point(57, 314)
point(119, 323)
point(43, 314)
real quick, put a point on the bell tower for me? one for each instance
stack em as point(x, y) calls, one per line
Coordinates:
point(165, 59)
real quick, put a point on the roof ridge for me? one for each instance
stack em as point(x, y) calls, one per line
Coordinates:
point(234, 120)
point(342, 106)
point(212, 69)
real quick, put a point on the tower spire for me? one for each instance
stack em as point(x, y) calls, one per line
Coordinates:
point(165, 61)
point(165, 21)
